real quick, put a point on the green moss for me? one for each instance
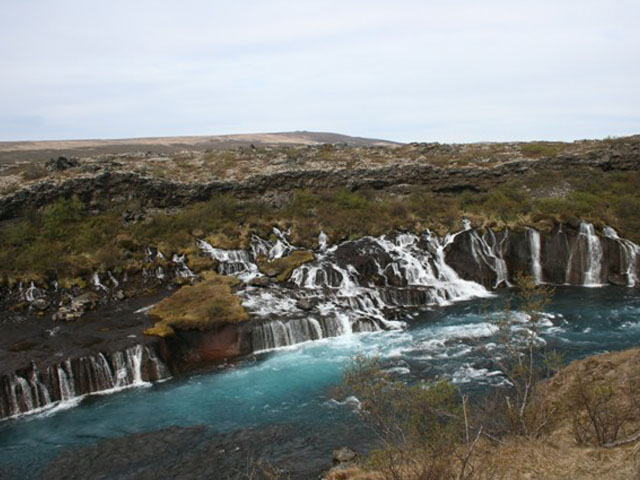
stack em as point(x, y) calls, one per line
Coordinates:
point(160, 329)
point(282, 268)
point(541, 149)
point(198, 307)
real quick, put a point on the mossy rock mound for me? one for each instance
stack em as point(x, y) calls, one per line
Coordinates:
point(201, 263)
point(282, 268)
point(198, 307)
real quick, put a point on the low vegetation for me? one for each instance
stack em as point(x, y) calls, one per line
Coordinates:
point(582, 422)
point(198, 307)
point(67, 240)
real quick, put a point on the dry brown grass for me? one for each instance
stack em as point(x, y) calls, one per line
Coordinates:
point(556, 455)
point(353, 473)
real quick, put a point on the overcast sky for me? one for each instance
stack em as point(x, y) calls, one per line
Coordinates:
point(403, 70)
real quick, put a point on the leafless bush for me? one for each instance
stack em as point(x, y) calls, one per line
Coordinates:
point(523, 362)
point(424, 429)
point(604, 415)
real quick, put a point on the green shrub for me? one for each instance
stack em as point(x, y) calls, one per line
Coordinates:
point(536, 149)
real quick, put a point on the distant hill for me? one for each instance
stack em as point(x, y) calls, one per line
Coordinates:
point(43, 150)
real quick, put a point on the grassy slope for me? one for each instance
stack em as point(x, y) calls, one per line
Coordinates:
point(65, 241)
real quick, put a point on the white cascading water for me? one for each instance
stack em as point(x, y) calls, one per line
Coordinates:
point(113, 280)
point(65, 380)
point(33, 293)
point(534, 247)
point(99, 374)
point(231, 262)
point(592, 267)
point(160, 273)
point(341, 302)
point(134, 364)
point(323, 241)
point(486, 249)
point(629, 255)
point(26, 395)
point(182, 270)
point(279, 249)
point(97, 283)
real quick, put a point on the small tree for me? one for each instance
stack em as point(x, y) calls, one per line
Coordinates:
point(423, 428)
point(521, 358)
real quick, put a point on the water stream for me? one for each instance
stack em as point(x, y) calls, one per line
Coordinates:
point(290, 387)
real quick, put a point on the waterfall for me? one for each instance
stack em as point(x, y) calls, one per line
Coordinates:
point(74, 378)
point(275, 334)
point(40, 393)
point(113, 280)
point(231, 262)
point(67, 390)
point(160, 273)
point(134, 364)
point(182, 270)
point(322, 241)
point(628, 254)
point(534, 247)
point(452, 286)
point(355, 286)
point(33, 293)
point(160, 370)
point(97, 283)
point(591, 261)
point(487, 250)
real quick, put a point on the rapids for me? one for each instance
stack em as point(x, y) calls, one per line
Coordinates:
point(288, 389)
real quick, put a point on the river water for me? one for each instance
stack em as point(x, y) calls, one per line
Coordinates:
point(277, 405)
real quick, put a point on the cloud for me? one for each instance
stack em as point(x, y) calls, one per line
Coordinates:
point(435, 70)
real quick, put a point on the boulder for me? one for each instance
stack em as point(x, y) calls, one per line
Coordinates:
point(78, 306)
point(40, 303)
point(343, 455)
point(344, 458)
point(84, 302)
point(305, 304)
point(260, 282)
point(61, 163)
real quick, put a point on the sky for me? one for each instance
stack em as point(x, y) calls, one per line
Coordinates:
point(429, 70)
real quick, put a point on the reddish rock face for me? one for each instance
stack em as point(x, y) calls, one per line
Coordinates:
point(193, 347)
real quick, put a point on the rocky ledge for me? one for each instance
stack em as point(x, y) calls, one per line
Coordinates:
point(363, 285)
point(105, 180)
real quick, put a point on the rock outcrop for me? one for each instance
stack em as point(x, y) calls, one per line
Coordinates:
point(113, 181)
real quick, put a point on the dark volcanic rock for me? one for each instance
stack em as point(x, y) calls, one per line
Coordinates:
point(195, 453)
point(305, 304)
point(61, 163)
point(344, 454)
point(104, 184)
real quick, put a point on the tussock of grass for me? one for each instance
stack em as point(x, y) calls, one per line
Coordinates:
point(282, 268)
point(160, 329)
point(542, 149)
point(198, 307)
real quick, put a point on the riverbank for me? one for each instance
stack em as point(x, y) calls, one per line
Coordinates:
point(558, 453)
point(291, 386)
